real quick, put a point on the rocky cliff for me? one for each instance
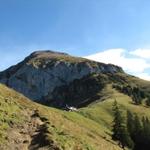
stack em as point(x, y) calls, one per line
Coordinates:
point(41, 74)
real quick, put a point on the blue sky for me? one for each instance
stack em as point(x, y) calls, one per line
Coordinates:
point(78, 27)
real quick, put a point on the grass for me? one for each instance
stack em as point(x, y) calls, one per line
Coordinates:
point(87, 129)
point(9, 110)
point(47, 60)
point(68, 130)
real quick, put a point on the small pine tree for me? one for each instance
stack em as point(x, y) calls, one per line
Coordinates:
point(137, 134)
point(116, 122)
point(119, 130)
point(137, 124)
point(125, 138)
point(139, 131)
point(136, 99)
point(145, 131)
point(136, 95)
point(130, 124)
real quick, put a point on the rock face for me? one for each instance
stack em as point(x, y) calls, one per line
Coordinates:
point(38, 76)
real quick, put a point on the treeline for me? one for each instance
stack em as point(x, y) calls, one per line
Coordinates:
point(132, 132)
point(135, 93)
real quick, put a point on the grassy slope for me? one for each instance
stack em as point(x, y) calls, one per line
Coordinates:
point(9, 110)
point(101, 112)
point(89, 128)
point(68, 130)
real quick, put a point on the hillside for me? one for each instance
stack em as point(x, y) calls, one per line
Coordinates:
point(23, 122)
point(88, 128)
point(29, 125)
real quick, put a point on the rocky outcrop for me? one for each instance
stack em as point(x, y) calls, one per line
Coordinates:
point(38, 76)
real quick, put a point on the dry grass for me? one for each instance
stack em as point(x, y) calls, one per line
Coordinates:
point(68, 130)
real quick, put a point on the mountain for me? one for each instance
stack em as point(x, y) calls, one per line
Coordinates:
point(41, 75)
point(58, 79)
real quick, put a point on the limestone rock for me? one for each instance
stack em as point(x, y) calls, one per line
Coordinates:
point(43, 71)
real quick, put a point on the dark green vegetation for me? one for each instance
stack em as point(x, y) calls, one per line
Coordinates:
point(81, 92)
point(120, 131)
point(132, 132)
point(135, 93)
point(139, 130)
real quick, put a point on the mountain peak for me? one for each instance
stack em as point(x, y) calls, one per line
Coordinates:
point(46, 53)
point(42, 72)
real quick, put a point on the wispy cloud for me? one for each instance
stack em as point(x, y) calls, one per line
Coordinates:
point(143, 53)
point(134, 62)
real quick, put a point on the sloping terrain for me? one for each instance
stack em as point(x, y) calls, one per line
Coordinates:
point(27, 125)
point(60, 80)
point(20, 123)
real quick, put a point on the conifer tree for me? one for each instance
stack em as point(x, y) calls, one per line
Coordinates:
point(130, 123)
point(145, 131)
point(137, 125)
point(116, 122)
point(137, 134)
point(119, 130)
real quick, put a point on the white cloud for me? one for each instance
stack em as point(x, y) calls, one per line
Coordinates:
point(143, 53)
point(127, 60)
point(145, 76)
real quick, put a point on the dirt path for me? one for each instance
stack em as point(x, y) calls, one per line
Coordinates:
point(29, 136)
